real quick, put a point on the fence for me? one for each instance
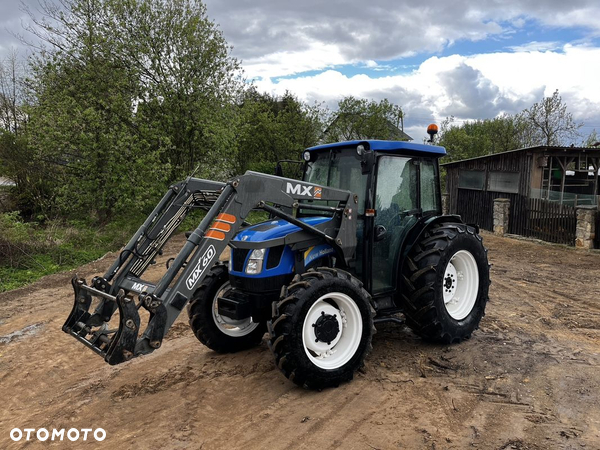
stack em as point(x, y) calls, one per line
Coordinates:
point(531, 217)
point(597, 235)
point(478, 206)
point(545, 220)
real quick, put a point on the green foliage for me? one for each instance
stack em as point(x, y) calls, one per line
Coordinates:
point(545, 123)
point(482, 137)
point(186, 81)
point(13, 228)
point(129, 95)
point(274, 128)
point(359, 118)
point(98, 164)
point(29, 251)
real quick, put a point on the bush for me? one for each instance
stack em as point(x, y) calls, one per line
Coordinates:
point(29, 251)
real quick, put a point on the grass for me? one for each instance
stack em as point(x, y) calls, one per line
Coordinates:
point(30, 251)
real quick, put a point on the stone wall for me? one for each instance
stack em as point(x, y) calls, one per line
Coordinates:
point(586, 227)
point(501, 213)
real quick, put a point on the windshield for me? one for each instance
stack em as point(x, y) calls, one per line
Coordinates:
point(339, 169)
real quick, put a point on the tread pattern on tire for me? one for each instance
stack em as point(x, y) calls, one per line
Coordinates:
point(285, 342)
point(421, 300)
point(202, 323)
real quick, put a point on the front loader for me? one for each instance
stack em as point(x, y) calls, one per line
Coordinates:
point(359, 241)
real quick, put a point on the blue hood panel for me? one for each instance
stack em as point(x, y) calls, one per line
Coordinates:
point(274, 229)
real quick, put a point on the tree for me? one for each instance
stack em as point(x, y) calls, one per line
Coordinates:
point(82, 129)
point(592, 140)
point(365, 119)
point(129, 95)
point(187, 80)
point(545, 123)
point(16, 158)
point(482, 137)
point(11, 93)
point(551, 123)
point(272, 128)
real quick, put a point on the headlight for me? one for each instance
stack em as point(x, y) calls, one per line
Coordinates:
point(255, 262)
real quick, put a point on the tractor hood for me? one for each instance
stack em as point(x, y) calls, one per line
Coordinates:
point(274, 229)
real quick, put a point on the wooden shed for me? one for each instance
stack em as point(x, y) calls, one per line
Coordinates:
point(562, 177)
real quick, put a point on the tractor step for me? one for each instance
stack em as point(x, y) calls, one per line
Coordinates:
point(234, 308)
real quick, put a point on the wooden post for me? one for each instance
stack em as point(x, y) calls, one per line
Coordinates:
point(564, 164)
point(549, 178)
point(595, 165)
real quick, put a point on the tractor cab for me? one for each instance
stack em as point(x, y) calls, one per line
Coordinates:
point(397, 184)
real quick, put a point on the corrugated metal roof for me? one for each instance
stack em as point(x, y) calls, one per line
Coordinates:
point(543, 148)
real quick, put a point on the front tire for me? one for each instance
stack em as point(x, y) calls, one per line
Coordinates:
point(220, 333)
point(322, 328)
point(446, 283)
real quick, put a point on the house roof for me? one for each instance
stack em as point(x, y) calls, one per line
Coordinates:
point(6, 182)
point(554, 150)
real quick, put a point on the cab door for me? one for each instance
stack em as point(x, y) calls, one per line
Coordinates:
point(397, 210)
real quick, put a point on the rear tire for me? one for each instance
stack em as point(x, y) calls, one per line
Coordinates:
point(220, 333)
point(446, 283)
point(322, 328)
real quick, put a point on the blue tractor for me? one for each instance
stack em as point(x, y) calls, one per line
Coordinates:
point(359, 240)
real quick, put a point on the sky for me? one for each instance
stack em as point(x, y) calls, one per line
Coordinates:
point(470, 60)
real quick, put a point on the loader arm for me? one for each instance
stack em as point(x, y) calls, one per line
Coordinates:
point(228, 205)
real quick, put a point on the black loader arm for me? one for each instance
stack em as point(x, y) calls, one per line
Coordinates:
point(227, 205)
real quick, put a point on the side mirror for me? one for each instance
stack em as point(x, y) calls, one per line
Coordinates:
point(367, 162)
point(380, 233)
point(279, 170)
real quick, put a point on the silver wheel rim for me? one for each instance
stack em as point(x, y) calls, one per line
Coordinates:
point(334, 354)
point(228, 326)
point(460, 284)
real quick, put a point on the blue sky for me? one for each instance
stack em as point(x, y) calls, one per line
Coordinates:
point(470, 60)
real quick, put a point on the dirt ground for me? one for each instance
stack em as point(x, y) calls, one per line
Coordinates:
point(528, 379)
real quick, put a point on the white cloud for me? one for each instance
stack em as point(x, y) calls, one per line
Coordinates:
point(468, 87)
point(316, 57)
point(382, 30)
point(535, 46)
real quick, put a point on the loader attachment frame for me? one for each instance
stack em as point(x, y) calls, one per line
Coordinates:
point(227, 205)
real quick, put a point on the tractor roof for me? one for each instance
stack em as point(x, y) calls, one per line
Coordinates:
point(387, 146)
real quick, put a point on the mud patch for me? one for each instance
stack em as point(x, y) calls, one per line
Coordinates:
point(155, 384)
point(28, 331)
